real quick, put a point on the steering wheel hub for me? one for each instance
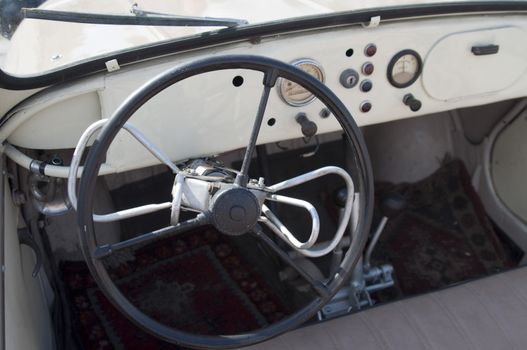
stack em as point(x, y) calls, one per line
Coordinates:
point(235, 211)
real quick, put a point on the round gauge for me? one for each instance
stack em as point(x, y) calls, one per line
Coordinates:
point(404, 68)
point(294, 94)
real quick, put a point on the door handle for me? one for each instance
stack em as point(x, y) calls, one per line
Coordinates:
point(485, 50)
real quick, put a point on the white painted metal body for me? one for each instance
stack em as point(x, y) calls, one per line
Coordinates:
point(60, 44)
point(206, 107)
point(196, 117)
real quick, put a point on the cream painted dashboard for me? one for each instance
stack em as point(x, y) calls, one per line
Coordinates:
point(207, 114)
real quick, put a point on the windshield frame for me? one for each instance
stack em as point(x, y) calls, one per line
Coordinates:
point(254, 33)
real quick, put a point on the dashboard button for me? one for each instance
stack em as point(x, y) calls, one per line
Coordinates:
point(365, 107)
point(370, 50)
point(367, 68)
point(366, 85)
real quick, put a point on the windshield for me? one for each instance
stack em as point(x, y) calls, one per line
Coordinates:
point(33, 46)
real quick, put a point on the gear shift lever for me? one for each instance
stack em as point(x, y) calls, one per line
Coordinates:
point(391, 205)
point(364, 279)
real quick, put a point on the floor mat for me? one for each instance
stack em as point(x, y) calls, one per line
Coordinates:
point(443, 237)
point(199, 283)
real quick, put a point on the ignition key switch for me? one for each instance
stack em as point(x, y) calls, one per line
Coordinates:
point(349, 78)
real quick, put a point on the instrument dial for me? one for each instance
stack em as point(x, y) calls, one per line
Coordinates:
point(404, 68)
point(294, 94)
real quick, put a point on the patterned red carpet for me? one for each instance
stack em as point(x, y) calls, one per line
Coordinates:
point(198, 283)
point(443, 237)
point(201, 283)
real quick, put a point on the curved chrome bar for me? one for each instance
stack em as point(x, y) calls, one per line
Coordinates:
point(74, 169)
point(280, 229)
point(76, 159)
point(298, 180)
point(177, 193)
point(129, 213)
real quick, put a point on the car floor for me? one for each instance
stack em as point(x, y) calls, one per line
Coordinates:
point(429, 161)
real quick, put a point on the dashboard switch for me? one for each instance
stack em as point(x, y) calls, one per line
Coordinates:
point(365, 106)
point(412, 102)
point(349, 78)
point(370, 50)
point(367, 68)
point(366, 85)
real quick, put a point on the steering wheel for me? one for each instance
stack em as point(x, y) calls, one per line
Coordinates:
point(236, 208)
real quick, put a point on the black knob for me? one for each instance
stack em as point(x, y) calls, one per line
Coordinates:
point(308, 127)
point(412, 102)
point(392, 204)
point(340, 197)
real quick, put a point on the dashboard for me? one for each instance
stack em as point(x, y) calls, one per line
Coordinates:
point(392, 71)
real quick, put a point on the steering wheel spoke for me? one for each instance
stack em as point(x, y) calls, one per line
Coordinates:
point(318, 286)
point(269, 81)
point(151, 147)
point(106, 250)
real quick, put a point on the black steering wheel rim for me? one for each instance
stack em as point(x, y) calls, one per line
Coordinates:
point(97, 155)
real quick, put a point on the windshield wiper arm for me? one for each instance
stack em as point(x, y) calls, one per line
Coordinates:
point(141, 18)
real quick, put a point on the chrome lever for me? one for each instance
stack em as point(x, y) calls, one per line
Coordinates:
point(319, 249)
point(272, 221)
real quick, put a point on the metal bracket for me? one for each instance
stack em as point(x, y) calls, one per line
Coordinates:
point(374, 22)
point(25, 237)
point(357, 294)
point(112, 65)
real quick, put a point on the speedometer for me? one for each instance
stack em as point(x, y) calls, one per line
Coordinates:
point(404, 68)
point(294, 94)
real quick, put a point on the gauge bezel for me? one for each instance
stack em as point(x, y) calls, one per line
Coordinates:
point(296, 63)
point(394, 60)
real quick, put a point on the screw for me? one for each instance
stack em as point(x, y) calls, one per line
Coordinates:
point(324, 113)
